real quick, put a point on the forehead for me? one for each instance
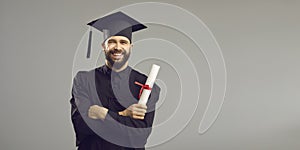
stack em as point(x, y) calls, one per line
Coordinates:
point(118, 38)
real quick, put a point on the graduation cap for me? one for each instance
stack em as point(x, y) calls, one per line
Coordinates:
point(116, 24)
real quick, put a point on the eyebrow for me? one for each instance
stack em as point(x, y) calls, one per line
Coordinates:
point(121, 40)
point(124, 41)
point(112, 40)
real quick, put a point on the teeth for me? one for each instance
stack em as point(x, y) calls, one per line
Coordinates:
point(117, 54)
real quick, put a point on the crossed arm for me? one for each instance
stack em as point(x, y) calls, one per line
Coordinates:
point(136, 115)
point(135, 111)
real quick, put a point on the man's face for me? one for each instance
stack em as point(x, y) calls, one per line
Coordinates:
point(117, 51)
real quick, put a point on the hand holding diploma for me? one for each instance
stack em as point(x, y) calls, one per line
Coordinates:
point(146, 89)
point(135, 111)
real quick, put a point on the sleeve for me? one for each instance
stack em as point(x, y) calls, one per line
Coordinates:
point(79, 106)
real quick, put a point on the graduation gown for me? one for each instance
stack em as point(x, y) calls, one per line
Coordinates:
point(115, 91)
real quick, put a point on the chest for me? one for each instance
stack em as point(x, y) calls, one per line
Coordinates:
point(117, 93)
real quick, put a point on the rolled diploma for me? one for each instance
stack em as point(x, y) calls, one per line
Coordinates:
point(150, 81)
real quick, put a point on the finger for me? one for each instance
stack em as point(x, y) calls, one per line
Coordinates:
point(142, 106)
point(90, 110)
point(140, 110)
point(138, 117)
point(93, 117)
point(138, 114)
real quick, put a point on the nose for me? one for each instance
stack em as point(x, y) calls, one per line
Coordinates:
point(118, 46)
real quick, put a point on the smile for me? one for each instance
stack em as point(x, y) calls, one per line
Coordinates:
point(117, 55)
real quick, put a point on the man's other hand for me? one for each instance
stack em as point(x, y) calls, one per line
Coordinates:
point(97, 112)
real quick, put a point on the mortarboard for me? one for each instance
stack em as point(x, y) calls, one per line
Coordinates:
point(116, 24)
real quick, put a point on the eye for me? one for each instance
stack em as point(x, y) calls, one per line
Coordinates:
point(111, 41)
point(124, 42)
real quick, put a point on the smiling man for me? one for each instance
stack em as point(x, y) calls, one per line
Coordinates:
point(105, 111)
point(117, 52)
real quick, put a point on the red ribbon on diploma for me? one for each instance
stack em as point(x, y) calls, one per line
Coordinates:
point(146, 87)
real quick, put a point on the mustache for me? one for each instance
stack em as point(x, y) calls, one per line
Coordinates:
point(116, 51)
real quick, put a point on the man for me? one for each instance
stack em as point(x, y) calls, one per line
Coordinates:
point(105, 110)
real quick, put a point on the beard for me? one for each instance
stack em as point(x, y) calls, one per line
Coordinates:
point(117, 64)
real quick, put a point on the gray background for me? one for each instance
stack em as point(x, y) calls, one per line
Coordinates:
point(259, 41)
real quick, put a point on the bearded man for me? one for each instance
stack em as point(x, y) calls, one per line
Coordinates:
point(105, 111)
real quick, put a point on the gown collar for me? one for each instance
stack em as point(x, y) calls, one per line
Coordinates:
point(123, 73)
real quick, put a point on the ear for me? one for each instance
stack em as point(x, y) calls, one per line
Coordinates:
point(131, 46)
point(103, 46)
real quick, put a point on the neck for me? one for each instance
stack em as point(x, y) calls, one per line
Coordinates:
point(116, 69)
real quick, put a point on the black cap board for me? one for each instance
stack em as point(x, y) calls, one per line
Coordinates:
point(116, 24)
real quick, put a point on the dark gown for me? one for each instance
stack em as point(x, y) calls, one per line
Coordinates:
point(115, 91)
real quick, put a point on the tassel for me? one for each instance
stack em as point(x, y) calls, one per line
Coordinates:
point(89, 44)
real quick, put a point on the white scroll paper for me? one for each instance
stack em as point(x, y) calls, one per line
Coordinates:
point(150, 81)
